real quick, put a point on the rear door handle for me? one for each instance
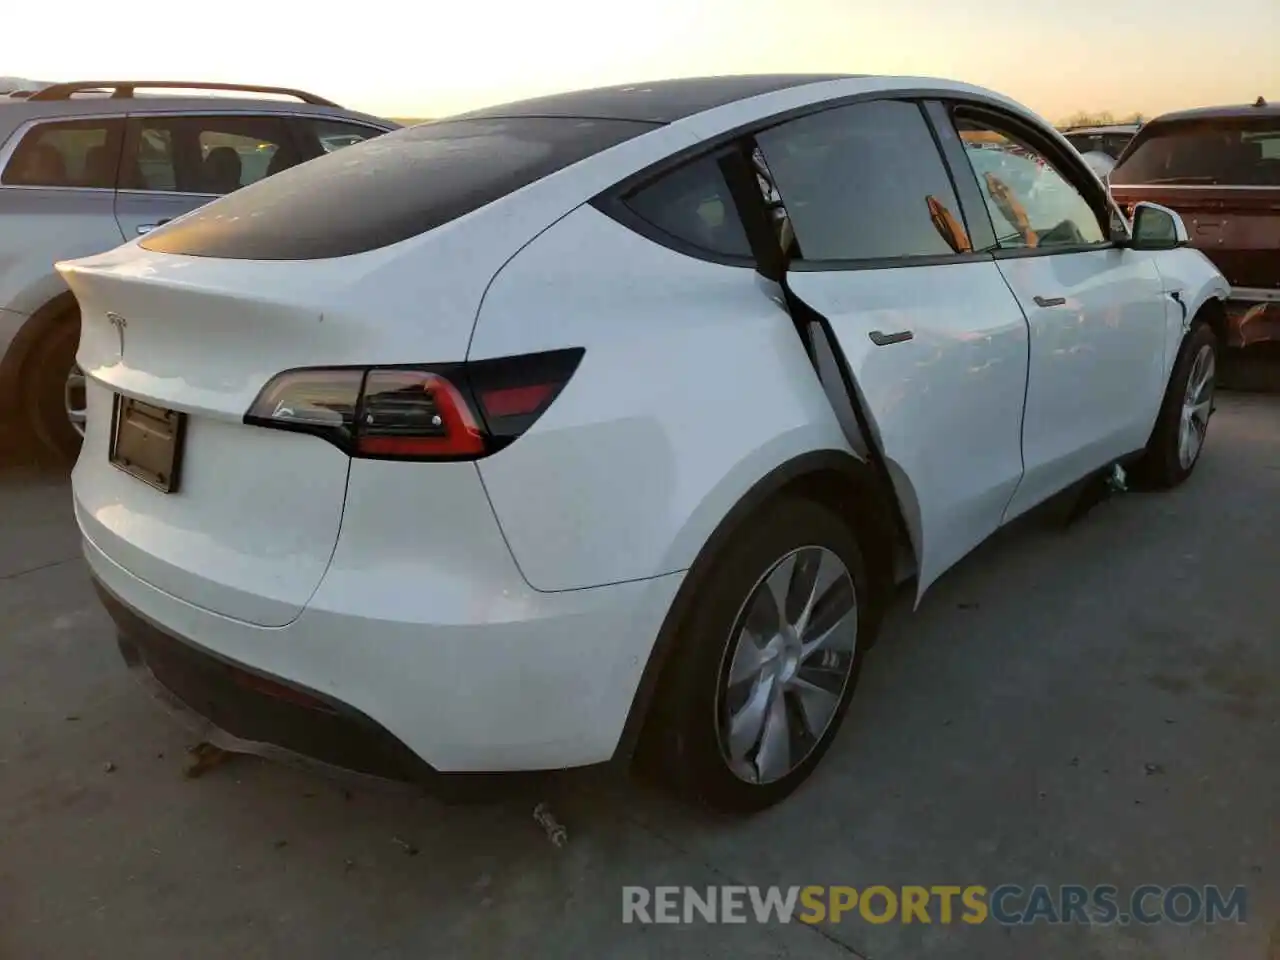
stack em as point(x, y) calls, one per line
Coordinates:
point(1050, 301)
point(145, 228)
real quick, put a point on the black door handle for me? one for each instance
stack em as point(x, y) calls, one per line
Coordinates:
point(1050, 301)
point(884, 339)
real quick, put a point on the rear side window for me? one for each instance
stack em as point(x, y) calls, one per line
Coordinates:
point(205, 154)
point(387, 189)
point(74, 153)
point(1242, 152)
point(865, 182)
point(693, 204)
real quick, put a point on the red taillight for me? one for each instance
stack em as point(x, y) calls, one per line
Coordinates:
point(409, 413)
point(453, 412)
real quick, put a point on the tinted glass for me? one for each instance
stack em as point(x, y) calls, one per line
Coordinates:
point(387, 189)
point(205, 155)
point(1234, 152)
point(1030, 202)
point(693, 204)
point(80, 153)
point(864, 182)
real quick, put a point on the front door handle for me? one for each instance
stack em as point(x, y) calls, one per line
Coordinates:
point(1050, 301)
point(145, 228)
point(884, 339)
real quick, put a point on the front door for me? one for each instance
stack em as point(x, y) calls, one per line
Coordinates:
point(1097, 312)
point(933, 343)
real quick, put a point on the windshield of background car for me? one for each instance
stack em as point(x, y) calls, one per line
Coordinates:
point(1235, 152)
point(387, 189)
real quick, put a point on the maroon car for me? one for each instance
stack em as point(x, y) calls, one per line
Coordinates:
point(1220, 168)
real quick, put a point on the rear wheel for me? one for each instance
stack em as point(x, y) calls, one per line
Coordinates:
point(54, 391)
point(1178, 438)
point(766, 664)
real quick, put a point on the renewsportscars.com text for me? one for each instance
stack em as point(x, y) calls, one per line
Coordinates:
point(1006, 904)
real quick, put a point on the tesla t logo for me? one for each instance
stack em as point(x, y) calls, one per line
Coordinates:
point(119, 323)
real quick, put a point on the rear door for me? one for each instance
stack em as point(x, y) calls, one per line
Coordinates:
point(931, 342)
point(173, 164)
point(1098, 314)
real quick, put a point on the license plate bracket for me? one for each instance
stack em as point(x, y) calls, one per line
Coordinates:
point(146, 442)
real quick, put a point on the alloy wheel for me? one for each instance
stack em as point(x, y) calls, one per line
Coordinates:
point(1197, 405)
point(788, 664)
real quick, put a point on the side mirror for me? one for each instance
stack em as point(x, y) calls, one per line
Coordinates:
point(1157, 228)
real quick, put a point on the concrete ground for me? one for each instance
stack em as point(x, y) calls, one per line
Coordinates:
point(1092, 706)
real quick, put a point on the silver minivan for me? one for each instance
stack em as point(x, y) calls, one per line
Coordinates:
point(86, 166)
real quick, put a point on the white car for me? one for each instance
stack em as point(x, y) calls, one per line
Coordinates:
point(603, 425)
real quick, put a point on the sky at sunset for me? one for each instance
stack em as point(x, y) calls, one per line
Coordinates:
point(398, 59)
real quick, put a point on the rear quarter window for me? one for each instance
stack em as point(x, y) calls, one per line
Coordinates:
point(387, 189)
point(693, 205)
point(1242, 152)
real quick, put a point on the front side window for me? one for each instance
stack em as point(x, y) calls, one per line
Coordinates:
point(1230, 151)
point(205, 155)
point(692, 203)
point(1031, 203)
point(863, 182)
point(73, 153)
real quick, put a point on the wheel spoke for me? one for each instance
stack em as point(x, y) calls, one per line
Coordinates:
point(817, 704)
point(748, 658)
point(747, 725)
point(778, 588)
point(773, 759)
point(836, 625)
point(823, 572)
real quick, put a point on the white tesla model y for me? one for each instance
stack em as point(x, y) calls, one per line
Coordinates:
point(603, 424)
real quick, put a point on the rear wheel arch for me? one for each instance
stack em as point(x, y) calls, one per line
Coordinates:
point(61, 309)
point(833, 478)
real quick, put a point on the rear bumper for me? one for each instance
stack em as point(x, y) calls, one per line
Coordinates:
point(242, 710)
point(523, 682)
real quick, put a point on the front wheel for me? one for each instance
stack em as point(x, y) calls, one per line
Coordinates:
point(767, 662)
point(1179, 435)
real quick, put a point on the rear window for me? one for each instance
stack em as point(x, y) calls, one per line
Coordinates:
point(387, 189)
point(1233, 152)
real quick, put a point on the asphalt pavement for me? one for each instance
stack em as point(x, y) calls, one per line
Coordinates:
point(1095, 705)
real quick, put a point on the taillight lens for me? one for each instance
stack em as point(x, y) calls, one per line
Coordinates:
point(442, 412)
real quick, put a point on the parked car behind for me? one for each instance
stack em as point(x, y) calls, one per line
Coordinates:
point(1220, 168)
point(84, 166)
point(1108, 139)
point(602, 425)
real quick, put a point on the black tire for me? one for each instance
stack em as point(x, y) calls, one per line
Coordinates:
point(44, 382)
point(1161, 466)
point(685, 747)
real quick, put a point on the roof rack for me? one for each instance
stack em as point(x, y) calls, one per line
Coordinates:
point(124, 89)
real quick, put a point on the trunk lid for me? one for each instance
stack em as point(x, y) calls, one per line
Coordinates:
point(251, 527)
